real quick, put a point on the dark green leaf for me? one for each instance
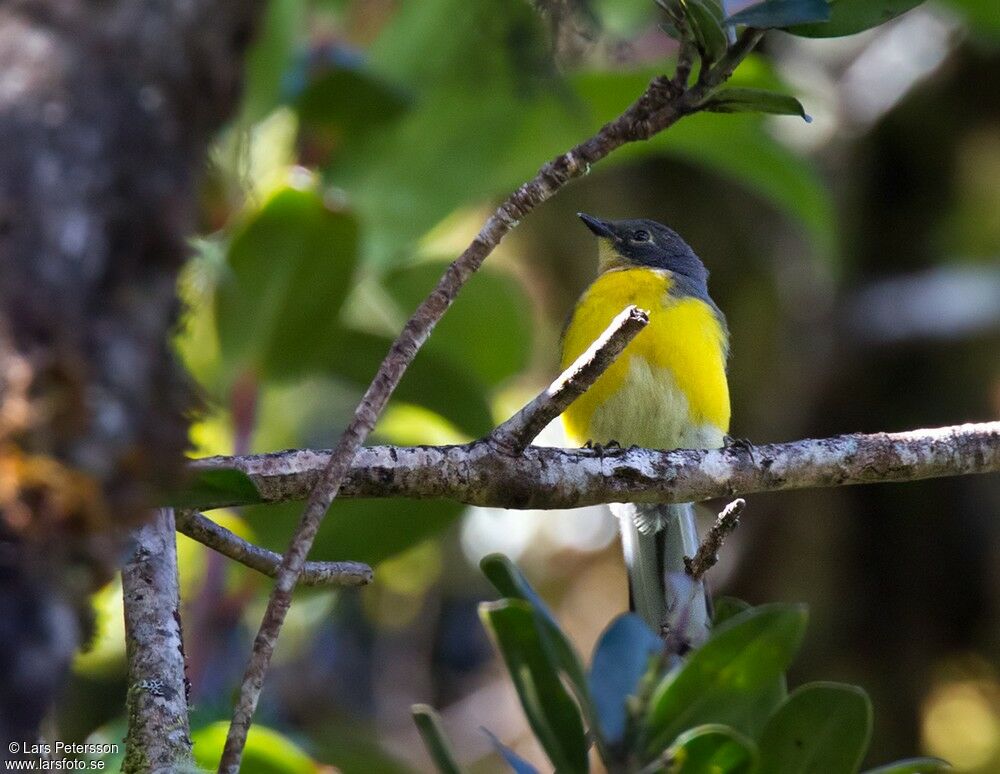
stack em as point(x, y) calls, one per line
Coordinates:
point(429, 725)
point(723, 680)
point(270, 57)
point(850, 16)
point(913, 766)
point(214, 489)
point(551, 711)
point(726, 608)
point(491, 308)
point(822, 728)
point(621, 658)
point(348, 102)
point(511, 583)
point(290, 269)
point(712, 749)
point(517, 764)
point(435, 382)
point(782, 13)
point(709, 36)
point(755, 101)
point(357, 530)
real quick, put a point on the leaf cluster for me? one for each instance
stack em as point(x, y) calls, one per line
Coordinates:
point(721, 709)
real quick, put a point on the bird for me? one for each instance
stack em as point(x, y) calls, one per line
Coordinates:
point(667, 390)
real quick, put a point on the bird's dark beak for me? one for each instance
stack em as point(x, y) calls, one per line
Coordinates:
point(600, 227)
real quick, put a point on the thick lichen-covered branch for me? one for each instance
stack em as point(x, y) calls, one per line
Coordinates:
point(539, 477)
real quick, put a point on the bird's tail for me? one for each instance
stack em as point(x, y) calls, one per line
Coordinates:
point(655, 539)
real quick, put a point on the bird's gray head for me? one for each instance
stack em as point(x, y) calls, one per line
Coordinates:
point(627, 243)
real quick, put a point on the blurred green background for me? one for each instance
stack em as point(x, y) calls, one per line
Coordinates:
point(856, 258)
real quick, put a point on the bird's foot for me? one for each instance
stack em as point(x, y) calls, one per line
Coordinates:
point(600, 448)
point(740, 444)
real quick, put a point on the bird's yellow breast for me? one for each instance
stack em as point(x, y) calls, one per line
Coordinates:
point(668, 388)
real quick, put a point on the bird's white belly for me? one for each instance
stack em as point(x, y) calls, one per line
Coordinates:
point(650, 410)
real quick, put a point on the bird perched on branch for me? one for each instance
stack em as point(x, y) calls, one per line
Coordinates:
point(667, 390)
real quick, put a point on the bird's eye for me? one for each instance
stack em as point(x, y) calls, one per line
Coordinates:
point(641, 236)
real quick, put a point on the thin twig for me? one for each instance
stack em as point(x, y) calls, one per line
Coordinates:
point(660, 106)
point(521, 429)
point(708, 552)
point(158, 736)
point(567, 478)
point(207, 532)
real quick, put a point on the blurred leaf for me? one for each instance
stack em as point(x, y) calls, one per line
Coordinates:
point(726, 608)
point(737, 146)
point(215, 488)
point(850, 16)
point(476, 80)
point(432, 381)
point(266, 752)
point(755, 101)
point(624, 18)
point(709, 35)
point(712, 749)
point(290, 268)
point(551, 712)
point(782, 13)
point(981, 15)
point(621, 658)
point(822, 728)
point(517, 764)
point(269, 58)
point(511, 583)
point(913, 766)
point(357, 530)
point(722, 681)
point(349, 102)
point(437, 744)
point(488, 329)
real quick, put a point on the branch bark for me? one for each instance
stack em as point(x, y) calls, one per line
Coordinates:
point(199, 527)
point(158, 737)
point(478, 474)
point(661, 105)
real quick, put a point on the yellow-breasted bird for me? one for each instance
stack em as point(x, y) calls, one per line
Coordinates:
point(667, 390)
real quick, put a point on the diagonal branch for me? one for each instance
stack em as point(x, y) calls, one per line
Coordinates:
point(521, 429)
point(478, 474)
point(199, 527)
point(707, 554)
point(659, 106)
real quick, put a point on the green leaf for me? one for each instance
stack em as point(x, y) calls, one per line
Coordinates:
point(551, 711)
point(723, 680)
point(432, 380)
point(511, 583)
point(437, 744)
point(710, 38)
point(913, 766)
point(712, 749)
point(266, 752)
point(481, 81)
point(782, 13)
point(270, 57)
point(822, 728)
point(850, 16)
point(755, 101)
point(214, 489)
point(726, 608)
point(621, 658)
point(290, 268)
point(491, 308)
point(347, 102)
point(357, 530)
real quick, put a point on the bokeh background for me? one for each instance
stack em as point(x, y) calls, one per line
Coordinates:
point(855, 256)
